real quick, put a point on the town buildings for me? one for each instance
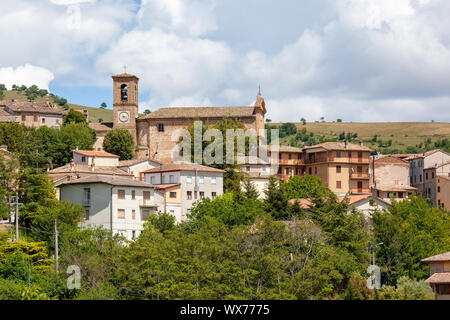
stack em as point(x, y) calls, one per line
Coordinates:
point(439, 274)
point(119, 204)
point(101, 130)
point(443, 191)
point(31, 114)
point(183, 184)
point(153, 132)
point(137, 167)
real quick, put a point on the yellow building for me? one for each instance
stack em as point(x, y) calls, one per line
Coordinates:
point(443, 191)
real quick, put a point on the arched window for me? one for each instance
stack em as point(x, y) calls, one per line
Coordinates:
point(124, 92)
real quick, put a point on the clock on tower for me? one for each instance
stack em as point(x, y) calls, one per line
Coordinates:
point(125, 102)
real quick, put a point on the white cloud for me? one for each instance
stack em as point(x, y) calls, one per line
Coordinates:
point(27, 75)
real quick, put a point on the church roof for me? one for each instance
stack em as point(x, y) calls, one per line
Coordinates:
point(201, 112)
point(125, 75)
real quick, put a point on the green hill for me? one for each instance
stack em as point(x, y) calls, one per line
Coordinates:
point(94, 113)
point(386, 137)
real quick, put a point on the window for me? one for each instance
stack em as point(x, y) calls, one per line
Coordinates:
point(310, 171)
point(410, 180)
point(400, 195)
point(338, 154)
point(171, 179)
point(144, 214)
point(338, 184)
point(24, 117)
point(299, 171)
point(146, 195)
point(121, 194)
point(133, 214)
point(202, 179)
point(396, 182)
point(426, 176)
point(359, 169)
point(360, 154)
point(86, 197)
point(133, 234)
point(86, 213)
point(83, 159)
point(124, 92)
point(163, 179)
point(338, 169)
point(432, 175)
point(173, 195)
point(189, 179)
point(290, 156)
point(213, 180)
point(248, 169)
point(349, 154)
point(35, 118)
point(133, 195)
point(202, 195)
point(160, 127)
point(315, 170)
point(152, 180)
point(378, 193)
point(189, 195)
point(439, 188)
point(213, 195)
point(288, 171)
point(121, 214)
point(43, 120)
point(420, 178)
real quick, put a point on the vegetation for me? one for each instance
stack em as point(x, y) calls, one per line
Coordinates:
point(119, 142)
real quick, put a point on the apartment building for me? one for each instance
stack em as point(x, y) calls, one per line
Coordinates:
point(31, 114)
point(419, 163)
point(119, 204)
point(439, 274)
point(290, 162)
point(183, 184)
point(390, 178)
point(343, 167)
point(443, 191)
point(430, 180)
point(137, 167)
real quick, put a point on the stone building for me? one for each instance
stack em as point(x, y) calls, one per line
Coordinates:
point(439, 274)
point(443, 191)
point(31, 114)
point(153, 132)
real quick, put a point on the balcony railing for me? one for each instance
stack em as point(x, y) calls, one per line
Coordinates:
point(359, 175)
point(360, 191)
point(292, 162)
point(147, 203)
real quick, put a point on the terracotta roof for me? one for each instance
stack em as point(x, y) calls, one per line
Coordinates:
point(125, 75)
point(166, 186)
point(339, 146)
point(438, 258)
point(396, 188)
point(130, 163)
point(82, 168)
point(286, 149)
point(6, 116)
point(115, 181)
point(100, 127)
point(200, 112)
point(354, 198)
point(182, 166)
point(439, 277)
point(96, 153)
point(304, 203)
point(390, 160)
point(35, 107)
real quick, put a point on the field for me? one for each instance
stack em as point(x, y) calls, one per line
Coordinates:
point(402, 134)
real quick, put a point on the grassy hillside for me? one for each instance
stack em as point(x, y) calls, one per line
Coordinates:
point(391, 136)
point(94, 113)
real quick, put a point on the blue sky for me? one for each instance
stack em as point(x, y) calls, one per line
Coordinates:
point(359, 60)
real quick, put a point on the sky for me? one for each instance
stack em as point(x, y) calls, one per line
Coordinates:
point(357, 60)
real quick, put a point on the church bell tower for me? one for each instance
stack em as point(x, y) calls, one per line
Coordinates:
point(125, 102)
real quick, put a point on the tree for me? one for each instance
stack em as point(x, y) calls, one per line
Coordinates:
point(276, 202)
point(74, 117)
point(103, 105)
point(268, 120)
point(147, 111)
point(250, 191)
point(2, 87)
point(119, 142)
point(303, 121)
point(339, 120)
point(307, 187)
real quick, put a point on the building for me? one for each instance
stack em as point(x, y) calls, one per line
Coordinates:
point(137, 167)
point(430, 180)
point(290, 162)
point(185, 183)
point(343, 167)
point(153, 132)
point(419, 163)
point(31, 114)
point(87, 163)
point(443, 191)
point(101, 129)
point(439, 274)
point(390, 178)
point(118, 204)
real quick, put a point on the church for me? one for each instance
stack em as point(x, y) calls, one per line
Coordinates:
point(153, 132)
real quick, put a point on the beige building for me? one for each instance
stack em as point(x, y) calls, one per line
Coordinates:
point(137, 167)
point(101, 129)
point(390, 178)
point(153, 132)
point(439, 274)
point(430, 179)
point(443, 191)
point(31, 114)
point(185, 183)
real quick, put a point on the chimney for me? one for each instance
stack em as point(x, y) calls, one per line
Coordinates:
point(72, 165)
point(345, 144)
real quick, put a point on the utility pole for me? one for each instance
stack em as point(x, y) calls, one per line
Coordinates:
point(56, 248)
point(14, 201)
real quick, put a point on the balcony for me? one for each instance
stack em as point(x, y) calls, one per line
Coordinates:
point(291, 162)
point(147, 203)
point(341, 160)
point(360, 191)
point(359, 175)
point(284, 177)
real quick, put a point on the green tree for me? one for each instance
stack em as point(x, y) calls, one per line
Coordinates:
point(119, 142)
point(276, 201)
point(74, 117)
point(103, 105)
point(147, 111)
point(250, 191)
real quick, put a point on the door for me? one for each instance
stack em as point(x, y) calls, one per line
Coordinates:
point(360, 156)
point(360, 187)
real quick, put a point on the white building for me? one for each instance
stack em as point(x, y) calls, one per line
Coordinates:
point(137, 167)
point(185, 183)
point(119, 204)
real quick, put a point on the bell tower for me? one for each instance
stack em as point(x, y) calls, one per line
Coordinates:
point(125, 102)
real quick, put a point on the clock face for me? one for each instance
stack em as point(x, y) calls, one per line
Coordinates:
point(124, 116)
